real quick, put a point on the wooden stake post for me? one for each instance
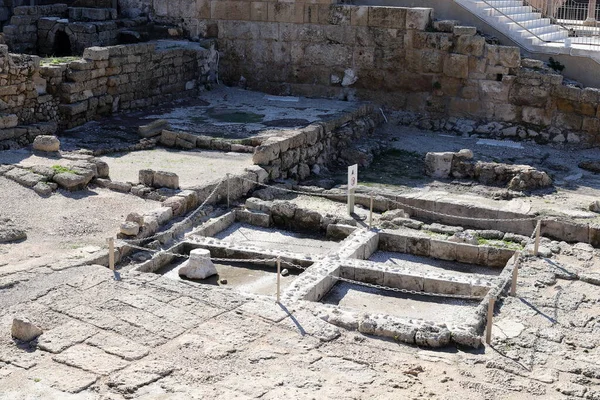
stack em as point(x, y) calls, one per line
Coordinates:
point(111, 253)
point(278, 277)
point(371, 212)
point(515, 274)
point(352, 185)
point(536, 247)
point(227, 190)
point(490, 321)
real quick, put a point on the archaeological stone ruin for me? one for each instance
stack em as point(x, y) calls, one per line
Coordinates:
point(350, 199)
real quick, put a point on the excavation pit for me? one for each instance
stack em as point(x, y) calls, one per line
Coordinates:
point(405, 305)
point(426, 264)
point(245, 234)
point(241, 276)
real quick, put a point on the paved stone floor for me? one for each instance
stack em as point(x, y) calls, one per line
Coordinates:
point(150, 337)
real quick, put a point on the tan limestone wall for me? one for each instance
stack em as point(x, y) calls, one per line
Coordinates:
point(111, 79)
point(395, 56)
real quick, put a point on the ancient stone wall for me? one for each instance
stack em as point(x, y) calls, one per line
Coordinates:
point(294, 154)
point(21, 34)
point(34, 98)
point(393, 55)
point(24, 102)
point(109, 79)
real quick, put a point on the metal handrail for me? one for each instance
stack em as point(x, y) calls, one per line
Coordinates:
point(517, 22)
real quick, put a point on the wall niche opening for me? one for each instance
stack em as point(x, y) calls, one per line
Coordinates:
point(62, 45)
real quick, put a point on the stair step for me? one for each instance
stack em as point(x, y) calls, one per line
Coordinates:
point(509, 10)
point(517, 17)
point(532, 23)
point(503, 3)
point(540, 30)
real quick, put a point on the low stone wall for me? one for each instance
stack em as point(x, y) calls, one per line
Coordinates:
point(460, 165)
point(26, 110)
point(111, 79)
point(295, 154)
point(106, 80)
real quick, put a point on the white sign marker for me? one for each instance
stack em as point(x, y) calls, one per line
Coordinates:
point(353, 176)
point(352, 185)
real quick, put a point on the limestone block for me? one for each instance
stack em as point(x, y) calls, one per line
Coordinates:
point(433, 336)
point(389, 241)
point(432, 284)
point(387, 17)
point(438, 165)
point(419, 246)
point(146, 177)
point(359, 16)
point(470, 45)
point(536, 116)
point(397, 278)
point(72, 181)
point(129, 228)
point(24, 330)
point(161, 215)
point(264, 154)
point(198, 266)
point(418, 18)
point(122, 187)
point(339, 231)
point(468, 253)
point(504, 56)
point(230, 10)
point(387, 326)
point(457, 66)
point(369, 275)
point(285, 12)
point(465, 31)
point(46, 143)
point(8, 121)
point(177, 204)
point(96, 53)
point(163, 179)
point(155, 128)
point(442, 250)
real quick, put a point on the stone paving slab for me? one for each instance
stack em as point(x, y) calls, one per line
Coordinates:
point(90, 359)
point(143, 319)
point(62, 377)
point(65, 336)
point(139, 374)
point(118, 345)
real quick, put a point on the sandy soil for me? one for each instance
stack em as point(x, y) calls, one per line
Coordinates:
point(63, 225)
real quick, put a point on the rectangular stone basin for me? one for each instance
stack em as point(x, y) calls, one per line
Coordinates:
point(240, 276)
point(373, 300)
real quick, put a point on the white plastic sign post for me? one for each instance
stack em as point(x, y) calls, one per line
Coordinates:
point(352, 185)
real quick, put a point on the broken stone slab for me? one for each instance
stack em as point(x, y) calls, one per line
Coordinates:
point(47, 143)
point(24, 330)
point(129, 228)
point(9, 233)
point(199, 265)
point(42, 189)
point(163, 179)
point(153, 129)
point(463, 237)
point(72, 181)
point(438, 165)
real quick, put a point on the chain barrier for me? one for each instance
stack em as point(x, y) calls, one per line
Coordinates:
point(396, 202)
point(180, 223)
point(407, 291)
point(253, 260)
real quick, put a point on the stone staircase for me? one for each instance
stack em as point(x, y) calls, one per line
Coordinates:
point(518, 21)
